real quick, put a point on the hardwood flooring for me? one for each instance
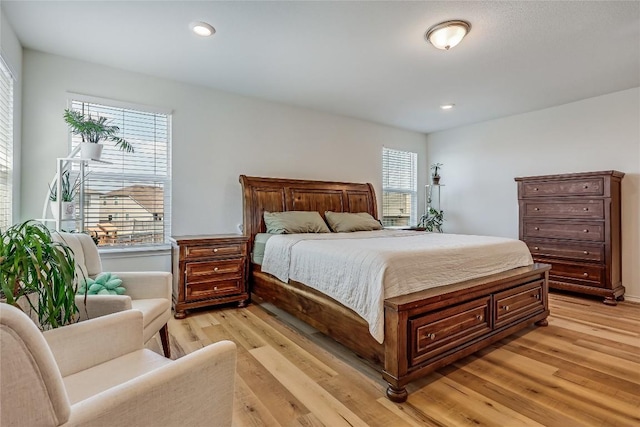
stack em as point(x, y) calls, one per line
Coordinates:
point(581, 370)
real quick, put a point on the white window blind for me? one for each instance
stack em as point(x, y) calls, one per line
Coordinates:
point(6, 145)
point(127, 200)
point(399, 188)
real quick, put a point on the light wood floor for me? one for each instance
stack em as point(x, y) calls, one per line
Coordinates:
point(581, 370)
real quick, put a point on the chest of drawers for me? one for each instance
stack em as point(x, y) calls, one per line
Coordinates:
point(572, 222)
point(208, 270)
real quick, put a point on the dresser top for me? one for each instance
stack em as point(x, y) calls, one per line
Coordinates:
point(615, 174)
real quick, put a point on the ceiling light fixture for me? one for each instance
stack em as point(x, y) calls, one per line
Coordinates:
point(447, 106)
point(202, 29)
point(446, 35)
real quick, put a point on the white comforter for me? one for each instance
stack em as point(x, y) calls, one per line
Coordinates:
point(362, 269)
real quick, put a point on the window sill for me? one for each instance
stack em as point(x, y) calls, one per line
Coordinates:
point(136, 251)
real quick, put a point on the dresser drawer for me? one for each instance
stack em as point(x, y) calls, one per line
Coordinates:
point(575, 187)
point(588, 231)
point(216, 250)
point(213, 289)
point(517, 303)
point(578, 251)
point(564, 209)
point(205, 271)
point(435, 333)
point(580, 273)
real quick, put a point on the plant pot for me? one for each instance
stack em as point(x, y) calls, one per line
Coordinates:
point(68, 210)
point(90, 151)
point(436, 179)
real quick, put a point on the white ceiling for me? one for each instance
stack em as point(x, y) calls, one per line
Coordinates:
point(360, 59)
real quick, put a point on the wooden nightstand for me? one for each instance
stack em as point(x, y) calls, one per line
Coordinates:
point(208, 270)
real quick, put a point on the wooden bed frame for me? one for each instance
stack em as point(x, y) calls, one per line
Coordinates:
point(424, 330)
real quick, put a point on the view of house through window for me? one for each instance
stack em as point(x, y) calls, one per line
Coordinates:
point(6, 144)
point(126, 195)
point(399, 188)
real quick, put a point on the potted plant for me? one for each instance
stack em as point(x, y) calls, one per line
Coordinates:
point(69, 192)
point(435, 176)
point(92, 132)
point(432, 220)
point(38, 273)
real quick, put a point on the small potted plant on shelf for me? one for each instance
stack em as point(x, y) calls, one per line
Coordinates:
point(69, 191)
point(435, 176)
point(432, 220)
point(92, 132)
point(38, 274)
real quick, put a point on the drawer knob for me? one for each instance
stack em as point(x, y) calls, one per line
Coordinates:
point(535, 248)
point(535, 189)
point(536, 296)
point(585, 209)
point(215, 269)
point(586, 252)
point(585, 274)
point(536, 228)
point(215, 249)
point(505, 307)
point(479, 317)
point(432, 336)
point(585, 231)
point(585, 187)
point(536, 209)
point(215, 288)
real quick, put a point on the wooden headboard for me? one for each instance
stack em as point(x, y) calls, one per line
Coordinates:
point(280, 195)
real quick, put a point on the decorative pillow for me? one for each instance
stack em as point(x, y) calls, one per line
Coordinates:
point(341, 222)
point(295, 222)
point(103, 284)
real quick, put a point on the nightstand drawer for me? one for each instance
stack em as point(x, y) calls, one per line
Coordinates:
point(204, 271)
point(572, 230)
point(564, 209)
point(574, 187)
point(223, 250)
point(198, 291)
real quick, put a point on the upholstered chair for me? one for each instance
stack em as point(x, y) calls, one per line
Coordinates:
point(98, 373)
point(148, 291)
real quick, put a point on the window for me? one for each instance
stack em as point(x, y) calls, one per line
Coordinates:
point(6, 145)
point(399, 188)
point(125, 194)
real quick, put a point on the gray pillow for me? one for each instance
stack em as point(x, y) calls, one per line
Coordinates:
point(341, 222)
point(295, 222)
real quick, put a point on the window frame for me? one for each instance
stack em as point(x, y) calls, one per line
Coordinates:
point(166, 181)
point(413, 193)
point(7, 207)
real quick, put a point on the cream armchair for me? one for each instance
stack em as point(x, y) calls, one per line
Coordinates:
point(98, 373)
point(149, 292)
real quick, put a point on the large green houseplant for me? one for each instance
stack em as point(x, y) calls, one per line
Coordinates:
point(93, 130)
point(37, 271)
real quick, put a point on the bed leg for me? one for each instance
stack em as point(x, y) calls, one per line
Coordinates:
point(542, 322)
point(397, 395)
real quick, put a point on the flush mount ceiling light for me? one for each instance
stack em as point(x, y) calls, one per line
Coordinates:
point(446, 35)
point(202, 29)
point(447, 106)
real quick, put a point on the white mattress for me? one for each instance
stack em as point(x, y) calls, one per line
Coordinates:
point(362, 269)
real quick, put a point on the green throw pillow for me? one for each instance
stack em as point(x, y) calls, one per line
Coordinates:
point(103, 284)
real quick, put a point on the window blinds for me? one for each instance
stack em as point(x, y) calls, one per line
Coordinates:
point(399, 187)
point(6, 145)
point(127, 198)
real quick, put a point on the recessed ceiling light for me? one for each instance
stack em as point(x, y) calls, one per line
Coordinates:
point(446, 35)
point(447, 106)
point(202, 29)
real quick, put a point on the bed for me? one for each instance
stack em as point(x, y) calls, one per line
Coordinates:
point(423, 330)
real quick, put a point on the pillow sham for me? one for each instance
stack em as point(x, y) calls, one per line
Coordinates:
point(342, 222)
point(294, 222)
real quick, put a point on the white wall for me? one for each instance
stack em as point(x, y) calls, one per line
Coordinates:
point(481, 160)
point(11, 52)
point(216, 137)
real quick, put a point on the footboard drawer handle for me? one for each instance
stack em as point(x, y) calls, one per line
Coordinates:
point(479, 317)
point(215, 288)
point(536, 248)
point(536, 228)
point(505, 307)
point(431, 336)
point(215, 249)
point(215, 269)
point(585, 274)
